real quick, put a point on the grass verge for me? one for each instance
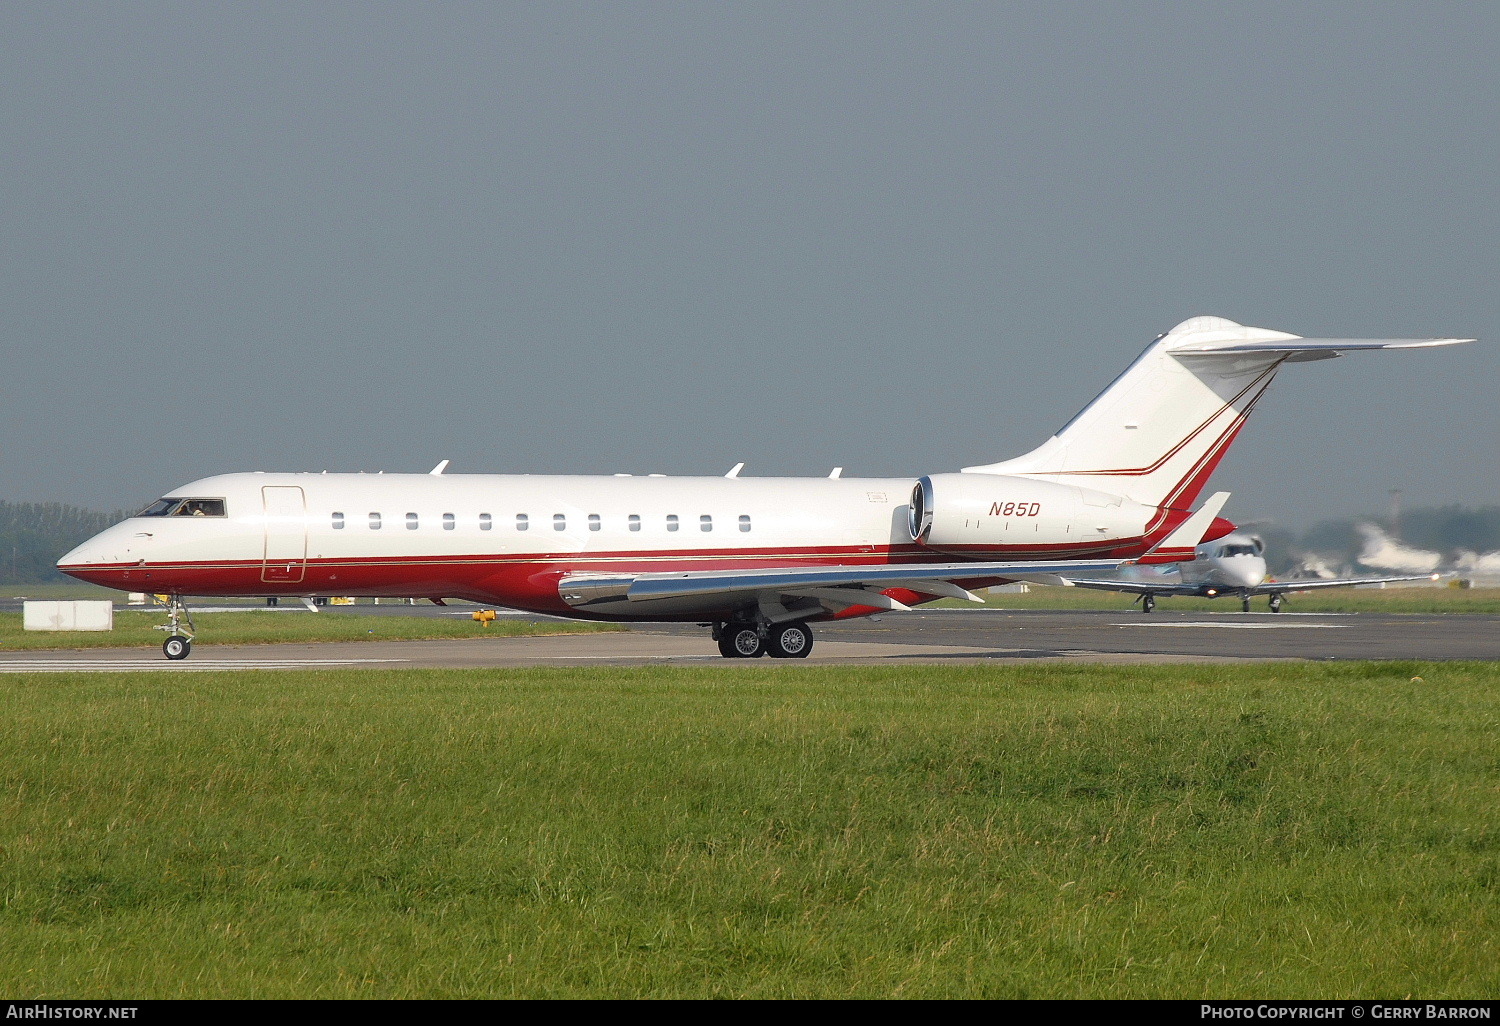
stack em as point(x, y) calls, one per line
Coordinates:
point(1286, 830)
point(135, 629)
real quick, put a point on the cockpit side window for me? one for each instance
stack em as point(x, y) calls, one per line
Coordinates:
point(200, 508)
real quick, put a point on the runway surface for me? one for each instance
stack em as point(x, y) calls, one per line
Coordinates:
point(936, 636)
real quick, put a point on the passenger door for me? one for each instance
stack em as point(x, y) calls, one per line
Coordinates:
point(286, 534)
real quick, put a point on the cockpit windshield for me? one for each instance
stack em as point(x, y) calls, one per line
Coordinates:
point(160, 508)
point(1237, 550)
point(179, 507)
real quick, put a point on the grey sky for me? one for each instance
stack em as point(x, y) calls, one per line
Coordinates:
point(901, 238)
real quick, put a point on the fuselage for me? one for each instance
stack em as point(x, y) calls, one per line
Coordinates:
point(513, 539)
point(1224, 566)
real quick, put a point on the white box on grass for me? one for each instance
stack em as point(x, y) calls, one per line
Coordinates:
point(89, 615)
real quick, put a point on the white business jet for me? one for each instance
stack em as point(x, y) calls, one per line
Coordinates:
point(1234, 565)
point(756, 560)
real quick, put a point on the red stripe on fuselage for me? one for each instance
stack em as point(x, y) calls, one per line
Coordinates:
point(529, 580)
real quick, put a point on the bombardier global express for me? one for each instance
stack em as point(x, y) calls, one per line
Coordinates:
point(754, 559)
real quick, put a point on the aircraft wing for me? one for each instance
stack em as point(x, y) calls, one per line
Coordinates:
point(1315, 583)
point(833, 587)
point(1133, 587)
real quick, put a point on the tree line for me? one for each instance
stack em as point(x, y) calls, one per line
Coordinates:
point(34, 534)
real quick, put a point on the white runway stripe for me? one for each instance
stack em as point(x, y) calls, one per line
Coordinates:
point(1235, 626)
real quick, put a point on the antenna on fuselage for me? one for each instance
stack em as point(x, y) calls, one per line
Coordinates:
point(836, 472)
point(735, 472)
point(438, 470)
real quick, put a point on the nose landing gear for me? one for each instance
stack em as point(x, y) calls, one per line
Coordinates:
point(179, 641)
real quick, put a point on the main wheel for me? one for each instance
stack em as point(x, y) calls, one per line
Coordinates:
point(740, 641)
point(1276, 602)
point(1148, 603)
point(791, 641)
point(177, 647)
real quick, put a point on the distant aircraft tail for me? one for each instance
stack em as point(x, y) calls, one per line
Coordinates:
point(1158, 431)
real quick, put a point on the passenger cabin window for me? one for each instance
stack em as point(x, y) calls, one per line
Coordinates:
point(635, 522)
point(705, 523)
point(559, 522)
point(594, 523)
point(745, 524)
point(448, 522)
point(374, 521)
point(411, 521)
point(485, 522)
point(671, 521)
point(522, 522)
point(338, 521)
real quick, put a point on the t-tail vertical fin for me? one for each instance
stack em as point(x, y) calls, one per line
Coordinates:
point(1160, 428)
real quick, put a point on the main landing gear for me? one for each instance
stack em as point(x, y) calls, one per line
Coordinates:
point(748, 640)
point(179, 638)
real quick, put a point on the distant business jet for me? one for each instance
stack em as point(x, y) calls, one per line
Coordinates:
point(755, 560)
point(1234, 565)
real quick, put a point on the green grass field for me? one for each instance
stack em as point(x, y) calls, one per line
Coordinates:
point(1280, 830)
point(135, 629)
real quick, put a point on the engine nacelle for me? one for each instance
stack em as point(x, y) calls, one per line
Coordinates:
point(964, 511)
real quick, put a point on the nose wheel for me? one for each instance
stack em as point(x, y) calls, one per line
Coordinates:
point(1276, 602)
point(1148, 603)
point(179, 627)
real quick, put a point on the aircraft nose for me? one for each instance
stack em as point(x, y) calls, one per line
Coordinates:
point(79, 556)
point(1251, 573)
point(109, 547)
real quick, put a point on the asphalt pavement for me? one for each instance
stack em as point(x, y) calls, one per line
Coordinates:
point(935, 636)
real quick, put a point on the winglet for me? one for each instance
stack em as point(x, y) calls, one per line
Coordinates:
point(1178, 546)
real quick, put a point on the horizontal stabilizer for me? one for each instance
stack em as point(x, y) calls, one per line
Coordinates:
point(1302, 345)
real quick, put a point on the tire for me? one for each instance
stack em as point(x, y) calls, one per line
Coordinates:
point(740, 641)
point(1245, 604)
point(1276, 602)
point(177, 647)
point(791, 641)
point(1148, 603)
